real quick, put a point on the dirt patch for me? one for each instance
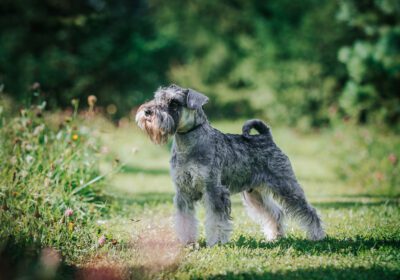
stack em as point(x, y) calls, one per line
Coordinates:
point(153, 251)
point(157, 249)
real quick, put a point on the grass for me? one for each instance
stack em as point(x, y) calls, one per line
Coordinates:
point(133, 211)
point(362, 225)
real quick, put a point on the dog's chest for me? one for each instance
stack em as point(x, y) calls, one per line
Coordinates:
point(188, 174)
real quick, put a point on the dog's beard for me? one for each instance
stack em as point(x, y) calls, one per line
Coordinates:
point(158, 127)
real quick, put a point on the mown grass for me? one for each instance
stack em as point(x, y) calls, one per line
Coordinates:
point(134, 210)
point(362, 221)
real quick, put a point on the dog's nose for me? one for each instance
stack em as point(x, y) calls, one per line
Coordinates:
point(148, 112)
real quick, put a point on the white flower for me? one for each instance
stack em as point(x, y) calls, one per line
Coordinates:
point(29, 159)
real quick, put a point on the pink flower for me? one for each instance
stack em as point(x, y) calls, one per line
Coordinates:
point(102, 240)
point(69, 212)
point(392, 158)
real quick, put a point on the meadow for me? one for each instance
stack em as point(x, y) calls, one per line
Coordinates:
point(82, 198)
point(85, 195)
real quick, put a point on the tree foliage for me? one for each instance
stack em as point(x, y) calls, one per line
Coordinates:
point(296, 61)
point(372, 61)
point(77, 48)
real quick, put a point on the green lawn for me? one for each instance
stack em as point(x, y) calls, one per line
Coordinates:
point(363, 227)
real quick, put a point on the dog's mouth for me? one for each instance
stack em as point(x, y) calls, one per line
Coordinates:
point(158, 125)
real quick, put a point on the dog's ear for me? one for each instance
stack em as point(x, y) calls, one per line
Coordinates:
point(195, 100)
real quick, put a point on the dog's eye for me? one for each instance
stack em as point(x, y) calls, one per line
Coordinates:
point(174, 105)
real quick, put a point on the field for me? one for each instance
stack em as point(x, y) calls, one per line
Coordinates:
point(131, 236)
point(363, 229)
point(85, 195)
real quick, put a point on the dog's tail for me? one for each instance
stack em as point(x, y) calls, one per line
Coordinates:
point(258, 125)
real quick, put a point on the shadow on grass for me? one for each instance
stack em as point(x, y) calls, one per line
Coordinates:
point(147, 171)
point(329, 245)
point(329, 272)
point(372, 195)
point(20, 261)
point(347, 204)
point(355, 204)
point(24, 261)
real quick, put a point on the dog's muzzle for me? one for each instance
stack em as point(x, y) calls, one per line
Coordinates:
point(156, 123)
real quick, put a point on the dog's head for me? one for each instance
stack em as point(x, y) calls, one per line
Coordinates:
point(173, 110)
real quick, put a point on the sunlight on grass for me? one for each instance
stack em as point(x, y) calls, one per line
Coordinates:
point(363, 231)
point(134, 214)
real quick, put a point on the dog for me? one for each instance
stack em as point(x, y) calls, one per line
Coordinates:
point(209, 165)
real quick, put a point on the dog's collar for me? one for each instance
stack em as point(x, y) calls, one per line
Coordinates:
point(190, 130)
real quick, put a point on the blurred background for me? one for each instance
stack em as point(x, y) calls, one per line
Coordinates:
point(304, 63)
point(82, 190)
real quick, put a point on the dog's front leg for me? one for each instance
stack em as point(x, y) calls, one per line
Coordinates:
point(218, 214)
point(185, 218)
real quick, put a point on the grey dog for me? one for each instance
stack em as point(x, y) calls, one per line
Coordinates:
point(209, 165)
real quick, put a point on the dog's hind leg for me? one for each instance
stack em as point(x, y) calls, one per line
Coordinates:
point(265, 211)
point(290, 193)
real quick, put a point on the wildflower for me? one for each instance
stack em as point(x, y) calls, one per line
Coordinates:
point(111, 109)
point(75, 102)
point(29, 159)
point(75, 137)
point(69, 212)
point(71, 226)
point(392, 158)
point(92, 100)
point(102, 240)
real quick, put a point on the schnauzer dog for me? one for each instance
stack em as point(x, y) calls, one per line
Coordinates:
point(209, 165)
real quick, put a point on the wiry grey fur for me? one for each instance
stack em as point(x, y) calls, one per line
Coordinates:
point(209, 165)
